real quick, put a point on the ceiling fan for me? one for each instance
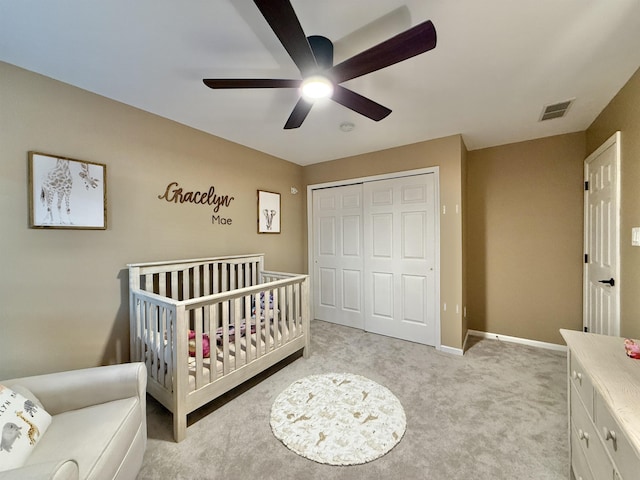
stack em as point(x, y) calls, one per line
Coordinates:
point(314, 58)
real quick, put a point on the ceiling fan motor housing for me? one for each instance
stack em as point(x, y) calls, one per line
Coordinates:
point(322, 49)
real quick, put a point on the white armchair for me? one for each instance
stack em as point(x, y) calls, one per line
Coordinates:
point(98, 428)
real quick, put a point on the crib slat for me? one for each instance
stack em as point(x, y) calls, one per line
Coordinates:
point(185, 284)
point(225, 278)
point(159, 333)
point(225, 338)
point(212, 325)
point(237, 323)
point(269, 320)
point(277, 315)
point(298, 306)
point(162, 284)
point(198, 354)
point(148, 326)
point(194, 282)
point(157, 360)
point(155, 336)
point(171, 328)
point(206, 279)
point(216, 278)
point(293, 332)
point(258, 319)
point(288, 303)
point(240, 275)
point(283, 315)
point(137, 322)
point(197, 317)
point(174, 285)
point(246, 314)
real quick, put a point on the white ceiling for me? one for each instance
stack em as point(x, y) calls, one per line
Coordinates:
point(496, 65)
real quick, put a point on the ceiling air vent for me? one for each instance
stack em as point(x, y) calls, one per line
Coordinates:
point(556, 110)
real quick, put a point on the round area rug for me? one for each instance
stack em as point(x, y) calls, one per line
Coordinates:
point(338, 419)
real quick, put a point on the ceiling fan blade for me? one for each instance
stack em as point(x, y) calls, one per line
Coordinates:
point(284, 22)
point(251, 83)
point(358, 103)
point(299, 113)
point(416, 40)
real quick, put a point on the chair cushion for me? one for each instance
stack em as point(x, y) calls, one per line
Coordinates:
point(96, 437)
point(23, 422)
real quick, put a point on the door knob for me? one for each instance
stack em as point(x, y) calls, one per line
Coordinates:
point(611, 282)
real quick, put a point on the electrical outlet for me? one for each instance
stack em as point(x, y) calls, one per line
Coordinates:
point(635, 236)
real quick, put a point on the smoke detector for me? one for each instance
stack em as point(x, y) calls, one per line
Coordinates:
point(347, 126)
point(556, 110)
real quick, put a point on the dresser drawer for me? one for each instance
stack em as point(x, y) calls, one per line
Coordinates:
point(581, 380)
point(586, 437)
point(578, 460)
point(616, 442)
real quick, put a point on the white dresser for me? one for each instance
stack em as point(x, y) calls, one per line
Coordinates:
point(604, 408)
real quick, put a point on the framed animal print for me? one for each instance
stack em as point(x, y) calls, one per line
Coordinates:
point(268, 212)
point(66, 193)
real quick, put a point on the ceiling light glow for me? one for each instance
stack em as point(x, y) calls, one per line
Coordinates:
point(316, 87)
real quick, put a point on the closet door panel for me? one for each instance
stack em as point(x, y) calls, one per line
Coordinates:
point(400, 247)
point(337, 273)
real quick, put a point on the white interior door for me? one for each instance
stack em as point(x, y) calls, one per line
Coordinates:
point(400, 263)
point(338, 261)
point(601, 311)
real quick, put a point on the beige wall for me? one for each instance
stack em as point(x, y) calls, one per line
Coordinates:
point(446, 153)
point(63, 294)
point(623, 113)
point(524, 237)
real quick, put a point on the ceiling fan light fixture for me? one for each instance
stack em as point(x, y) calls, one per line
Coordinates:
point(316, 87)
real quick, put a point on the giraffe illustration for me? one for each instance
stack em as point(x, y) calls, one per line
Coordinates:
point(59, 181)
point(33, 431)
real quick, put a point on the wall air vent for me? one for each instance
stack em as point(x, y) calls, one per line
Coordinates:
point(556, 110)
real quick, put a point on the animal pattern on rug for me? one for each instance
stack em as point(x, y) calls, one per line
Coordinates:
point(338, 419)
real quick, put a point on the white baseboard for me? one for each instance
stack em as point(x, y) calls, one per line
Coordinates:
point(523, 341)
point(451, 350)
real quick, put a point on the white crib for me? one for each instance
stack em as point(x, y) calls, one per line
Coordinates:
point(204, 326)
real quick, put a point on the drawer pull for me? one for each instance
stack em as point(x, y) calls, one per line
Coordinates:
point(582, 435)
point(577, 376)
point(609, 435)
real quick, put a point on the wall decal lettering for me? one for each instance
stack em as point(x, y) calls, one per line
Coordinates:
point(218, 220)
point(175, 194)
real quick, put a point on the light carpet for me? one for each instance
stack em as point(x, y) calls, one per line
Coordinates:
point(338, 419)
point(497, 413)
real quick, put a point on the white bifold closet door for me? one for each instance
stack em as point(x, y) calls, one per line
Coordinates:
point(400, 258)
point(375, 257)
point(338, 262)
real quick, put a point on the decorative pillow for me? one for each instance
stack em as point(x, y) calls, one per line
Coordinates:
point(23, 421)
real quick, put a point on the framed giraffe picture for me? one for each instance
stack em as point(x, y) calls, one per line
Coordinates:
point(66, 193)
point(268, 212)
